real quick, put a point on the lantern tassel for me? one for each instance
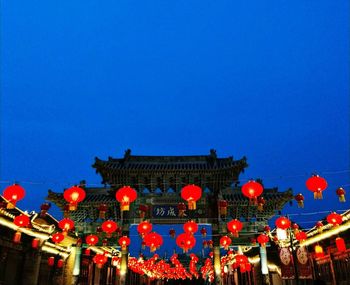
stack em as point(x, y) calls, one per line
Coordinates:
point(318, 195)
point(191, 205)
point(342, 198)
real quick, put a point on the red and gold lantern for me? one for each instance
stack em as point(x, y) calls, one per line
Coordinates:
point(223, 208)
point(60, 263)
point(73, 196)
point(282, 223)
point(261, 203)
point(319, 226)
point(124, 242)
point(144, 228)
point(91, 240)
point(334, 219)
point(225, 242)
point(263, 240)
point(57, 237)
point(319, 251)
point(172, 232)
point(66, 225)
point(300, 200)
point(44, 208)
point(267, 229)
point(190, 227)
point(13, 194)
point(20, 221)
point(182, 208)
point(203, 232)
point(51, 261)
point(109, 227)
point(35, 243)
point(234, 226)
point(316, 184)
point(185, 241)
point(301, 236)
point(252, 190)
point(191, 194)
point(125, 196)
point(340, 243)
point(100, 260)
point(143, 209)
point(153, 241)
point(341, 194)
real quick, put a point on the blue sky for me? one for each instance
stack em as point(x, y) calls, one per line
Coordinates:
point(264, 79)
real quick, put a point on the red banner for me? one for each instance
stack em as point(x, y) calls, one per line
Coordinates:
point(303, 263)
point(287, 265)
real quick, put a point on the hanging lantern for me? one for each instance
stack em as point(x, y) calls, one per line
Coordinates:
point(252, 190)
point(87, 251)
point(262, 240)
point(44, 208)
point(282, 223)
point(203, 232)
point(301, 236)
point(91, 240)
point(73, 196)
point(300, 200)
point(143, 209)
point(253, 241)
point(66, 225)
point(210, 243)
point(153, 241)
point(172, 232)
point(20, 221)
point(115, 261)
point(319, 226)
point(185, 241)
point(13, 194)
point(109, 227)
point(341, 194)
point(295, 228)
point(125, 196)
point(60, 263)
point(205, 244)
point(316, 184)
point(241, 259)
point(35, 243)
point(334, 219)
point(124, 242)
point(66, 211)
point(267, 229)
point(191, 194)
point(225, 242)
point(182, 208)
point(51, 261)
point(261, 203)
point(99, 231)
point(319, 251)
point(144, 228)
point(234, 226)
point(100, 260)
point(143, 244)
point(223, 208)
point(341, 246)
point(102, 210)
point(190, 227)
point(104, 242)
point(57, 237)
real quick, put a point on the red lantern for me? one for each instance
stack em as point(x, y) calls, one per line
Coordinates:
point(109, 227)
point(334, 219)
point(205, 244)
point(57, 237)
point(190, 227)
point(104, 242)
point(225, 242)
point(21, 221)
point(66, 225)
point(44, 208)
point(241, 259)
point(203, 232)
point(341, 194)
point(234, 227)
point(319, 251)
point(295, 228)
point(263, 239)
point(125, 196)
point(316, 184)
point(153, 241)
point(223, 208)
point(143, 209)
point(87, 251)
point(341, 246)
point(17, 237)
point(210, 243)
point(51, 261)
point(73, 196)
point(191, 194)
point(66, 212)
point(102, 210)
point(91, 240)
point(172, 233)
point(282, 223)
point(252, 190)
point(182, 208)
point(185, 241)
point(35, 243)
point(100, 260)
point(301, 236)
point(115, 261)
point(124, 242)
point(13, 194)
point(300, 200)
point(267, 229)
point(261, 203)
point(60, 263)
point(144, 228)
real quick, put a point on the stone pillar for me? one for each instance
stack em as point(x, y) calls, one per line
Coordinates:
point(72, 266)
point(217, 265)
point(31, 268)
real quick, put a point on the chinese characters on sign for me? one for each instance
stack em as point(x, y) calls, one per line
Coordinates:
point(164, 211)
